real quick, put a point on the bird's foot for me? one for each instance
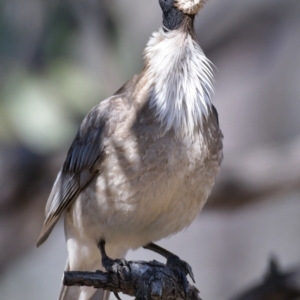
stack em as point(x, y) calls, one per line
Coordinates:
point(181, 269)
point(116, 266)
point(174, 263)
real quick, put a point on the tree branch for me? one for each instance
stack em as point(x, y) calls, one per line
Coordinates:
point(145, 280)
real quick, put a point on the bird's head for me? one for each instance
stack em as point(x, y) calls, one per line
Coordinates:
point(176, 11)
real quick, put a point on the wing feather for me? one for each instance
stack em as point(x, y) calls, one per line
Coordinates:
point(81, 164)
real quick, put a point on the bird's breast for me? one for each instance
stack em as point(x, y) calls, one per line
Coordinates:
point(148, 188)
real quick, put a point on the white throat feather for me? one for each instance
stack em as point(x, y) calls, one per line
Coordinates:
point(181, 78)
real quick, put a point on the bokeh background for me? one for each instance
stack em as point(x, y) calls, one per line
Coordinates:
point(60, 58)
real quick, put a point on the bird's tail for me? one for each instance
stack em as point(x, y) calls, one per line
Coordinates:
point(81, 293)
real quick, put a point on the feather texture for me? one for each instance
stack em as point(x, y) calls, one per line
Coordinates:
point(183, 76)
point(190, 7)
point(78, 169)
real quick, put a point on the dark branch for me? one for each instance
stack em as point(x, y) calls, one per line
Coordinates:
point(145, 281)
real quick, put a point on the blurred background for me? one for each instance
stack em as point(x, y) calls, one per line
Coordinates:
point(60, 58)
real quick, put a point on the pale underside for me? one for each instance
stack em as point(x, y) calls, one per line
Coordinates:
point(146, 190)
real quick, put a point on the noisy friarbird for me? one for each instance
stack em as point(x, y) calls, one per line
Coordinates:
point(144, 160)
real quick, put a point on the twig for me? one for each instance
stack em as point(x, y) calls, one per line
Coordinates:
point(145, 280)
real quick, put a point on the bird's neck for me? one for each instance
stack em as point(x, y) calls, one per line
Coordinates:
point(180, 78)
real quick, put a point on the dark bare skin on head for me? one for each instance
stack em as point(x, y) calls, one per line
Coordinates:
point(172, 16)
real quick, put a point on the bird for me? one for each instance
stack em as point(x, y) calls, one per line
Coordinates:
point(144, 160)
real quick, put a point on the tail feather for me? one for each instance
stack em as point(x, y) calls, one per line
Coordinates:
point(46, 230)
point(101, 295)
point(70, 293)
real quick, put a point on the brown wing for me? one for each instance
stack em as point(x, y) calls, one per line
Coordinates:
point(82, 163)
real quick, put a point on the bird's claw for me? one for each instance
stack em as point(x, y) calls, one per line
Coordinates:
point(181, 268)
point(116, 266)
point(117, 296)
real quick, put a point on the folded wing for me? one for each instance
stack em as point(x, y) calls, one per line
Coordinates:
point(82, 163)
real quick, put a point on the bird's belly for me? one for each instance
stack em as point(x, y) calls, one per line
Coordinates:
point(143, 202)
